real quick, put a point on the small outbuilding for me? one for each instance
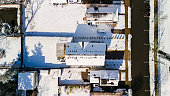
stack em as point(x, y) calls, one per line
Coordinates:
point(27, 80)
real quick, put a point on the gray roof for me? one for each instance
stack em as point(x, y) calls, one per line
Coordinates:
point(110, 9)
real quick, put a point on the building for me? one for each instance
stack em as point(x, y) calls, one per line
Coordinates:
point(104, 77)
point(97, 14)
point(85, 54)
point(99, 34)
point(74, 76)
point(48, 82)
point(27, 80)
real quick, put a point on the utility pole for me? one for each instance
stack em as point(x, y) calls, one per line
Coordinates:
point(21, 33)
point(156, 47)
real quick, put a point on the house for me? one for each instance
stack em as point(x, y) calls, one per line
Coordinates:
point(27, 80)
point(74, 76)
point(48, 82)
point(85, 54)
point(99, 34)
point(104, 77)
point(98, 14)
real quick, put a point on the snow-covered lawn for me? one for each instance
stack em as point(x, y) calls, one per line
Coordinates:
point(41, 51)
point(52, 18)
point(12, 46)
point(164, 45)
point(75, 91)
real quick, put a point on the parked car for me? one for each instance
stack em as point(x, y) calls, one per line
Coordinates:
point(147, 10)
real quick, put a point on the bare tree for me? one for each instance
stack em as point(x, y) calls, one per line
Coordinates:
point(31, 8)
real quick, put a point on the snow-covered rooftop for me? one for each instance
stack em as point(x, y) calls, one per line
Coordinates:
point(26, 81)
point(72, 76)
point(101, 10)
point(108, 9)
point(118, 42)
point(105, 77)
point(101, 33)
point(48, 82)
point(105, 74)
point(85, 48)
point(116, 64)
point(87, 33)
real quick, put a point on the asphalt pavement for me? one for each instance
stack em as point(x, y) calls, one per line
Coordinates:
point(140, 49)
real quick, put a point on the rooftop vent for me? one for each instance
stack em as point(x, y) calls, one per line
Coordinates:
point(96, 8)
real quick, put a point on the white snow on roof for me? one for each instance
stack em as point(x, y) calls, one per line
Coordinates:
point(86, 33)
point(118, 42)
point(88, 49)
point(72, 76)
point(26, 81)
point(121, 23)
point(48, 83)
point(112, 77)
point(84, 30)
point(109, 9)
point(105, 74)
point(116, 64)
point(85, 60)
point(100, 18)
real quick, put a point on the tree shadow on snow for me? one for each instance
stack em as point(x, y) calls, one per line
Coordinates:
point(37, 60)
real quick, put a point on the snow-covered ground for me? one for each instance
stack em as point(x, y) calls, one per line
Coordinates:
point(41, 51)
point(52, 18)
point(58, 18)
point(12, 46)
point(75, 91)
point(164, 38)
point(164, 45)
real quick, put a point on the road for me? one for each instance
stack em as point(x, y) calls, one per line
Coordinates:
point(140, 49)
